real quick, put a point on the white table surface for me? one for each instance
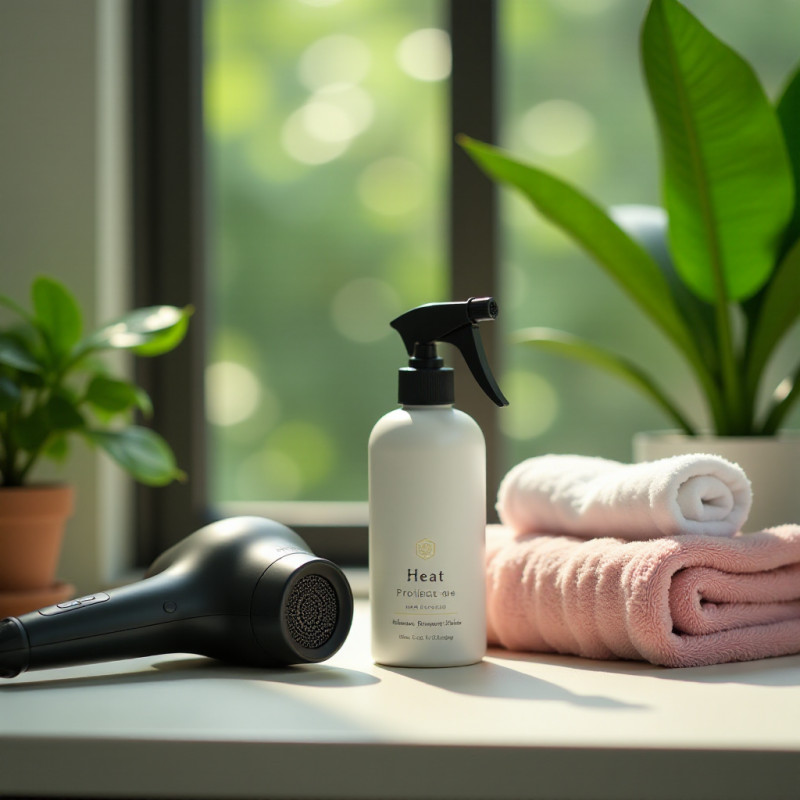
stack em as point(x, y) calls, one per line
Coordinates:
point(514, 726)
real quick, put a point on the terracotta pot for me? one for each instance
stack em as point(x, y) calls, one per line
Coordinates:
point(772, 463)
point(32, 522)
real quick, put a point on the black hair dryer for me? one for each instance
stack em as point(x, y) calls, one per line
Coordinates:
point(245, 590)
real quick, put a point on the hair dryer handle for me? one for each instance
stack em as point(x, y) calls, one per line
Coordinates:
point(144, 618)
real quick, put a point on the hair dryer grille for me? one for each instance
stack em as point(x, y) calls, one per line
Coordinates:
point(311, 611)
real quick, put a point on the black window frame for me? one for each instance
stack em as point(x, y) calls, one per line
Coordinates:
point(170, 256)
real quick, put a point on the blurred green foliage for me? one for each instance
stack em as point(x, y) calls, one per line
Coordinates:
point(327, 153)
point(328, 177)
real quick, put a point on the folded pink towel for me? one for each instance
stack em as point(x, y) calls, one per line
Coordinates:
point(586, 496)
point(681, 601)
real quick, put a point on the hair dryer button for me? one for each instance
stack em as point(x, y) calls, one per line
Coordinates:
point(170, 606)
point(91, 599)
point(69, 604)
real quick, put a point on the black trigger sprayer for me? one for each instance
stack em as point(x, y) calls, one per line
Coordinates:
point(427, 498)
point(426, 381)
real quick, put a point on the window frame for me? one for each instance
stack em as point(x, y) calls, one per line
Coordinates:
point(168, 221)
point(170, 258)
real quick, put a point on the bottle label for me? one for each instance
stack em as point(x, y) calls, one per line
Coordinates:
point(426, 606)
point(428, 612)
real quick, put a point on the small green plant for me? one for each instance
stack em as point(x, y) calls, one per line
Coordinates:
point(54, 385)
point(730, 289)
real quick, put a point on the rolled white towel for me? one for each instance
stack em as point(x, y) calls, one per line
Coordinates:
point(589, 497)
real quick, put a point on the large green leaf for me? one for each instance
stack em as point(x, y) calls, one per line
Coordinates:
point(789, 115)
point(622, 258)
point(140, 451)
point(160, 327)
point(727, 179)
point(614, 250)
point(573, 347)
point(57, 314)
point(777, 307)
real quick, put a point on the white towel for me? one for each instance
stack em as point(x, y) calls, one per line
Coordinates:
point(590, 497)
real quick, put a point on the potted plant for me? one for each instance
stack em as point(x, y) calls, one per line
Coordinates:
point(54, 386)
point(718, 270)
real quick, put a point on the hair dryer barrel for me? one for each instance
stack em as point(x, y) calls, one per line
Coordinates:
point(244, 590)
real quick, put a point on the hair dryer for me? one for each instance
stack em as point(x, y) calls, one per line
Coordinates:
point(245, 590)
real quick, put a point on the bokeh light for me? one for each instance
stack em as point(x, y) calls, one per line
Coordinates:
point(557, 127)
point(338, 58)
point(392, 186)
point(302, 134)
point(533, 405)
point(232, 393)
point(425, 54)
point(361, 309)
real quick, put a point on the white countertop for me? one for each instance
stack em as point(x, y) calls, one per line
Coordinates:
point(514, 726)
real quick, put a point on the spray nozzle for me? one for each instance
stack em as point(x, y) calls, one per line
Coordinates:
point(456, 324)
point(482, 309)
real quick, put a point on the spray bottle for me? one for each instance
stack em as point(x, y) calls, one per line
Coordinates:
point(427, 499)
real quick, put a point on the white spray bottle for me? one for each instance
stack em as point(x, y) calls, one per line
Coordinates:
point(427, 499)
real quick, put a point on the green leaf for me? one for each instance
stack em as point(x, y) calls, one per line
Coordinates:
point(578, 349)
point(143, 401)
point(113, 395)
point(140, 451)
point(57, 314)
point(169, 339)
point(6, 301)
point(159, 326)
point(61, 414)
point(788, 109)
point(57, 448)
point(727, 179)
point(14, 354)
point(9, 393)
point(614, 250)
point(622, 258)
point(778, 311)
point(30, 432)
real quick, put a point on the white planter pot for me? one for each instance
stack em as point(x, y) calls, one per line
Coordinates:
point(771, 463)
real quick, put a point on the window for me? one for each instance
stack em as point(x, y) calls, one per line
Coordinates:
point(322, 241)
point(326, 144)
point(337, 199)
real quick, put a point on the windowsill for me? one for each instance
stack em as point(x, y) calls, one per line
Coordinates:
point(329, 514)
point(532, 726)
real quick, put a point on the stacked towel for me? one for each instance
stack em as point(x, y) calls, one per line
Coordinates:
point(678, 601)
point(639, 561)
point(587, 497)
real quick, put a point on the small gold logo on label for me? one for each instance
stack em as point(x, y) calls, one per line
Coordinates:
point(426, 548)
